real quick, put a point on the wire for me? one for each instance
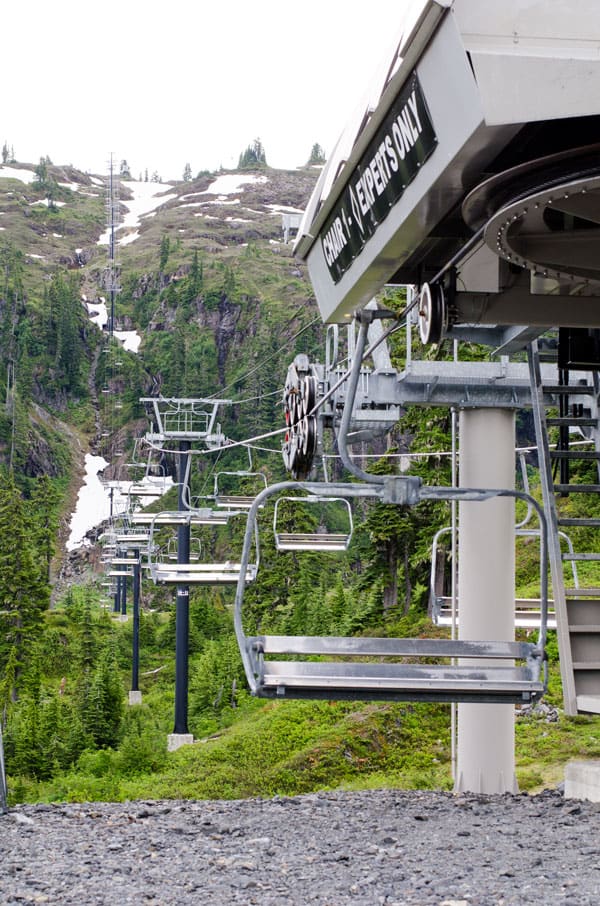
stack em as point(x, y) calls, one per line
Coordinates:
point(268, 359)
point(261, 396)
point(230, 445)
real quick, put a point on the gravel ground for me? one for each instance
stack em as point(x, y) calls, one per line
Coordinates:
point(382, 847)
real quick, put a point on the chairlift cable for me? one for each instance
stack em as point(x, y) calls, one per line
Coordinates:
point(268, 358)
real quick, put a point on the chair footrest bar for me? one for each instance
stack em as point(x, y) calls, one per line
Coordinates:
point(390, 681)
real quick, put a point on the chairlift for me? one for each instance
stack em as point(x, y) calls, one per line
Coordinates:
point(204, 516)
point(149, 486)
point(197, 573)
point(195, 549)
point(363, 668)
point(225, 497)
point(321, 540)
point(443, 609)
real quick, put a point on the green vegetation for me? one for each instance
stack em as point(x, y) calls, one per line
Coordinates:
point(253, 157)
point(222, 307)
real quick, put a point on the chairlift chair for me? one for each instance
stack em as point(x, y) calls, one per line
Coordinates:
point(361, 668)
point(313, 541)
point(149, 486)
point(204, 516)
point(225, 498)
point(197, 573)
point(195, 549)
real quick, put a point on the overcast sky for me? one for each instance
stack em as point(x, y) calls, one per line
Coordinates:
point(162, 85)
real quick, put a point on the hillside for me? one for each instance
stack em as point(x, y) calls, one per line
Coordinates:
point(202, 269)
point(210, 302)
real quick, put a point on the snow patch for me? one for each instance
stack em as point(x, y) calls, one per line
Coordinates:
point(147, 196)
point(283, 209)
point(98, 312)
point(131, 237)
point(93, 502)
point(130, 338)
point(26, 176)
point(46, 202)
point(228, 183)
point(96, 500)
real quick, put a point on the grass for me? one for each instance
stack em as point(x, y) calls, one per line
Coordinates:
point(290, 748)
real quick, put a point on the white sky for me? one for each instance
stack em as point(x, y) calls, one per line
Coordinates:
point(161, 85)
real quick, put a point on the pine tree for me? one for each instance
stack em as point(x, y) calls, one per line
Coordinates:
point(187, 173)
point(253, 157)
point(5, 152)
point(65, 329)
point(43, 514)
point(165, 248)
point(24, 590)
point(317, 156)
point(103, 713)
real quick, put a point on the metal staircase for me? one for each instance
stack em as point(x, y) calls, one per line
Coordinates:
point(572, 499)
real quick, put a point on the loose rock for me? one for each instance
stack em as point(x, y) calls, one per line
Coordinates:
point(363, 848)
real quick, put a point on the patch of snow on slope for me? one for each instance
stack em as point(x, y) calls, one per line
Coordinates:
point(46, 202)
point(283, 209)
point(15, 173)
point(130, 339)
point(228, 183)
point(98, 312)
point(147, 196)
point(93, 503)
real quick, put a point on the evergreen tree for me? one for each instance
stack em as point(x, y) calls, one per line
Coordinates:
point(193, 284)
point(317, 156)
point(43, 514)
point(5, 152)
point(253, 157)
point(64, 331)
point(24, 590)
point(187, 173)
point(124, 171)
point(41, 174)
point(165, 248)
point(102, 714)
point(45, 182)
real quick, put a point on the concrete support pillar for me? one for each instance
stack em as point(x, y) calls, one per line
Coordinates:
point(486, 592)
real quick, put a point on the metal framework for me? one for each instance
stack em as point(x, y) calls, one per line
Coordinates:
point(181, 419)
